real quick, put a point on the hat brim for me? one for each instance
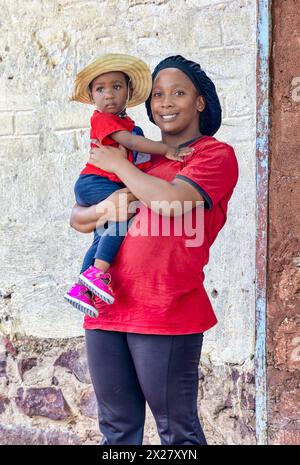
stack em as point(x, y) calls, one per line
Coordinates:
point(136, 70)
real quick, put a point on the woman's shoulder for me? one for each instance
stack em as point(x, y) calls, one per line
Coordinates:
point(210, 152)
point(211, 144)
point(211, 148)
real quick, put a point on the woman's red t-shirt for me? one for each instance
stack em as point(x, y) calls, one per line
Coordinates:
point(158, 278)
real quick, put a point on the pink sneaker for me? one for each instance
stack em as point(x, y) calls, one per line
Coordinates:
point(80, 297)
point(98, 283)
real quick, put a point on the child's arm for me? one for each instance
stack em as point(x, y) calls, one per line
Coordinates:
point(144, 145)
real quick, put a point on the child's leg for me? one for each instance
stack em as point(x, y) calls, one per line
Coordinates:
point(101, 264)
point(89, 257)
point(91, 189)
point(109, 244)
point(95, 278)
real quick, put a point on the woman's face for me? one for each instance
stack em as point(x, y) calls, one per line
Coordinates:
point(175, 104)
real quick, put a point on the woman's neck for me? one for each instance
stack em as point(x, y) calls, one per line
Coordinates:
point(174, 140)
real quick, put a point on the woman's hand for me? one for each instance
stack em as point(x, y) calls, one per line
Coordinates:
point(106, 157)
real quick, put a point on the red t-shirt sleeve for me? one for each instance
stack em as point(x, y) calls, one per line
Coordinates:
point(105, 124)
point(212, 170)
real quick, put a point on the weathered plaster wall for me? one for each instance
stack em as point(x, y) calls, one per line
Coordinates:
point(43, 145)
point(284, 220)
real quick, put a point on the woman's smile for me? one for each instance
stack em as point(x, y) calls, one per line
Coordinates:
point(169, 117)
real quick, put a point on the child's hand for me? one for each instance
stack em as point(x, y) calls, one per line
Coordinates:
point(178, 154)
point(107, 157)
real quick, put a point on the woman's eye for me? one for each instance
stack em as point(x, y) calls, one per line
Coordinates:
point(117, 87)
point(99, 89)
point(156, 94)
point(179, 92)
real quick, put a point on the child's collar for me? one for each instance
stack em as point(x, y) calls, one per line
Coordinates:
point(122, 113)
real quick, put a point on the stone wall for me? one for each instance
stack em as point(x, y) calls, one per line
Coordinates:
point(45, 392)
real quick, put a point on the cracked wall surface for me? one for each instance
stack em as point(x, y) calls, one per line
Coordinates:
point(44, 144)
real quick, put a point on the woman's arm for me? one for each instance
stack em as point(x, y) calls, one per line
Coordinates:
point(84, 219)
point(168, 198)
point(114, 208)
point(156, 193)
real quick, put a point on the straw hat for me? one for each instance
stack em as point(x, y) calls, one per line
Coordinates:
point(136, 70)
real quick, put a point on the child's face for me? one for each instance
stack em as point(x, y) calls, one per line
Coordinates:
point(109, 92)
point(175, 103)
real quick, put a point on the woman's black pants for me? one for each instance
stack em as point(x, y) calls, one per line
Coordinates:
point(129, 369)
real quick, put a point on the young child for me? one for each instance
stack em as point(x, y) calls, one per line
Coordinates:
point(112, 83)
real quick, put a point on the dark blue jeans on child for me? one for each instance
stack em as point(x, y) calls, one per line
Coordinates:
point(91, 189)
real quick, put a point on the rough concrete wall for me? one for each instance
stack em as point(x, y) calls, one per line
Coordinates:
point(284, 245)
point(43, 145)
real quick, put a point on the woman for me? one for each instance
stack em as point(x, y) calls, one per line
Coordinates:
point(147, 345)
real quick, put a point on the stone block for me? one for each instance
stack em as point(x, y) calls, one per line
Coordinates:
point(76, 363)
point(26, 364)
point(25, 435)
point(229, 63)
point(3, 365)
point(14, 98)
point(200, 4)
point(238, 23)
point(4, 401)
point(45, 402)
point(72, 116)
point(206, 32)
point(9, 346)
point(6, 123)
point(239, 99)
point(237, 129)
point(147, 2)
point(88, 403)
point(26, 122)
